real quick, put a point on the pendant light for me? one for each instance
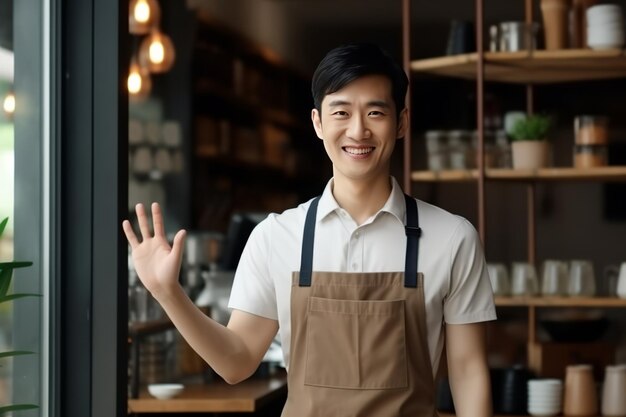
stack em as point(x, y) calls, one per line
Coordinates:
point(139, 82)
point(143, 16)
point(157, 52)
point(8, 104)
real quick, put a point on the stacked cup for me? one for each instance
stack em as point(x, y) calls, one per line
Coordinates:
point(605, 26)
point(613, 398)
point(545, 397)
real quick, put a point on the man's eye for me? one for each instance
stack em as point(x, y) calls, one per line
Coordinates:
point(376, 113)
point(340, 113)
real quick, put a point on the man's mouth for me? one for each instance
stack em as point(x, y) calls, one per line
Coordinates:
point(358, 151)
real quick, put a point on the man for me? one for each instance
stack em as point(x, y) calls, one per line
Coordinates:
point(363, 282)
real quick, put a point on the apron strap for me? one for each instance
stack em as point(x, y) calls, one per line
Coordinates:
point(413, 233)
point(306, 259)
point(412, 230)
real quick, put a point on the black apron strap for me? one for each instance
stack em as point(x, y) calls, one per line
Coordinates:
point(306, 260)
point(413, 233)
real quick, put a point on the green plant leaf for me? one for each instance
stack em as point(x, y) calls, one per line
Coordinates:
point(15, 353)
point(16, 296)
point(534, 127)
point(14, 264)
point(5, 280)
point(17, 407)
point(6, 271)
point(3, 224)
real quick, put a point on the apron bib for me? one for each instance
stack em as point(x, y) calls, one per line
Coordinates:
point(359, 340)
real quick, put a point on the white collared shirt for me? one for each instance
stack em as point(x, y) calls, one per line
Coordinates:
point(456, 285)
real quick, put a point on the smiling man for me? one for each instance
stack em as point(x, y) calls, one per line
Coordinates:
point(364, 282)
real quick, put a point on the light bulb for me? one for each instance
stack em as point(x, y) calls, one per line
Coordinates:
point(142, 11)
point(134, 82)
point(143, 15)
point(9, 104)
point(157, 52)
point(138, 82)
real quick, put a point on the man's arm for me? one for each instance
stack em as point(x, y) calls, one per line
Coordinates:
point(235, 351)
point(467, 369)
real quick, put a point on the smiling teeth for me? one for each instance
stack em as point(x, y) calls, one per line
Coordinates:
point(358, 151)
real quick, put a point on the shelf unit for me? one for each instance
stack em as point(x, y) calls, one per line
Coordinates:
point(586, 302)
point(253, 147)
point(137, 332)
point(610, 173)
point(529, 69)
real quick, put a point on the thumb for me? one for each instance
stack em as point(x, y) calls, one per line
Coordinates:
point(179, 243)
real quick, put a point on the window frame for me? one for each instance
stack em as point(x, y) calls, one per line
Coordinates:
point(71, 195)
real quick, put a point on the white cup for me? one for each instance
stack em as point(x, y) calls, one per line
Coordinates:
point(524, 279)
point(499, 277)
point(621, 281)
point(554, 278)
point(582, 279)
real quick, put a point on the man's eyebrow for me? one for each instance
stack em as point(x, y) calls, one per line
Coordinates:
point(378, 103)
point(373, 103)
point(336, 103)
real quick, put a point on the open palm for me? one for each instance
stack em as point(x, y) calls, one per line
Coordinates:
point(156, 262)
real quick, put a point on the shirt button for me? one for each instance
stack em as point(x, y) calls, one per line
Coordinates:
point(357, 234)
point(354, 266)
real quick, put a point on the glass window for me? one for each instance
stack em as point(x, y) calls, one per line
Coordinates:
point(23, 162)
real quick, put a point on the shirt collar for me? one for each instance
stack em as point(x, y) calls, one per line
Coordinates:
point(395, 204)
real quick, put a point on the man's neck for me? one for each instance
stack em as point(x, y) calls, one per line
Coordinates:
point(361, 199)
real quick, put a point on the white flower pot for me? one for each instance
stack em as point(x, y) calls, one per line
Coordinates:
point(531, 154)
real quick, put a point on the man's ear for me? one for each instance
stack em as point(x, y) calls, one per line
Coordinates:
point(403, 123)
point(317, 123)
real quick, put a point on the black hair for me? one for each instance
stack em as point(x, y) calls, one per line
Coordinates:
point(346, 63)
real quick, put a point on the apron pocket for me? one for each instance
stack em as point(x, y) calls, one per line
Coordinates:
point(356, 344)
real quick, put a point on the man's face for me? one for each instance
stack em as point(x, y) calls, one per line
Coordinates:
point(359, 127)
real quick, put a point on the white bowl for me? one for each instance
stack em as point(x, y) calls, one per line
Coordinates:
point(606, 39)
point(602, 11)
point(165, 391)
point(606, 27)
point(544, 401)
point(606, 20)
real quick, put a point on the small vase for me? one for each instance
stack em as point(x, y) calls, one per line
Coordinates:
point(531, 154)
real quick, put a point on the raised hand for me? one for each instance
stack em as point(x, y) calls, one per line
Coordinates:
point(156, 262)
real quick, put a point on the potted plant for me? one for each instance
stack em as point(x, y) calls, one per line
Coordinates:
point(530, 147)
point(6, 273)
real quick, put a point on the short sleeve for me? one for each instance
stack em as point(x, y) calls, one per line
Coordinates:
point(470, 297)
point(253, 288)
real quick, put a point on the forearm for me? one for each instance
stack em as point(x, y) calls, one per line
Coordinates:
point(223, 349)
point(471, 390)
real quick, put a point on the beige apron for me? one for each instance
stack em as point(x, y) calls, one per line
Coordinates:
point(359, 340)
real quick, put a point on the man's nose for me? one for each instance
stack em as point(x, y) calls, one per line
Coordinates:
point(358, 129)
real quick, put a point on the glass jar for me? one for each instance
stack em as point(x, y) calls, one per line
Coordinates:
point(591, 130)
point(590, 156)
point(437, 150)
point(459, 148)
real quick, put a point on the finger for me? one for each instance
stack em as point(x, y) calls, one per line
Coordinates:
point(130, 234)
point(143, 221)
point(179, 243)
point(157, 219)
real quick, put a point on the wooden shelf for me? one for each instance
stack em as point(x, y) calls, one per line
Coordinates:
point(611, 173)
point(597, 302)
point(218, 397)
point(205, 87)
point(530, 67)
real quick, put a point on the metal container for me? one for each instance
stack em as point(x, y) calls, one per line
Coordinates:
point(518, 36)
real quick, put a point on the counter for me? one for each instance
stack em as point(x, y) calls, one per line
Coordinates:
point(246, 397)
